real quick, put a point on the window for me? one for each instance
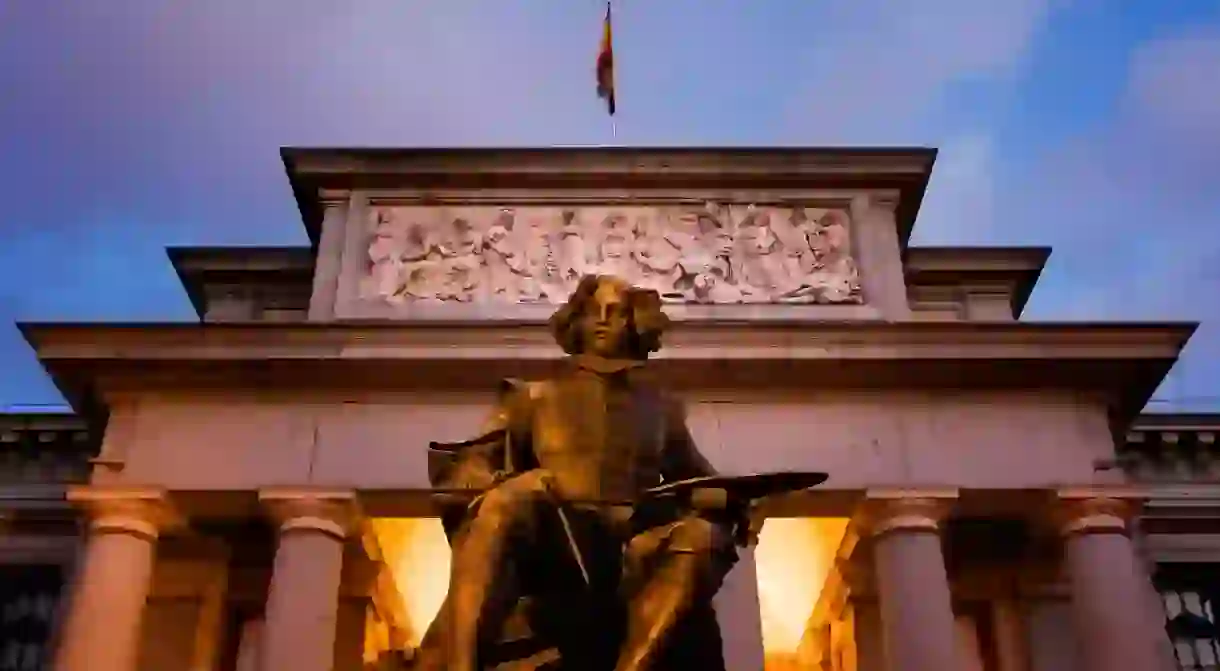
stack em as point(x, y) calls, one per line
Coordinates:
point(29, 595)
point(1191, 594)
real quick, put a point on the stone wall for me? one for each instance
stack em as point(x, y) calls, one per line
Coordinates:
point(376, 441)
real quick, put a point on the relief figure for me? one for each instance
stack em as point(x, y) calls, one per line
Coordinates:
point(832, 275)
point(719, 254)
point(460, 264)
point(706, 262)
point(506, 264)
point(386, 253)
point(571, 252)
point(764, 273)
point(658, 258)
point(616, 247)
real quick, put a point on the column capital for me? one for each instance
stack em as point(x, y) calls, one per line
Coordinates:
point(331, 511)
point(143, 511)
point(886, 510)
point(1086, 510)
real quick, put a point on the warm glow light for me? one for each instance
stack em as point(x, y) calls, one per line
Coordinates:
point(794, 556)
point(418, 555)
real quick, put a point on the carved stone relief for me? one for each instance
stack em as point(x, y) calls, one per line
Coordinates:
point(536, 254)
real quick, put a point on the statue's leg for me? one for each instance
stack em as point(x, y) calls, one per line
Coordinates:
point(482, 578)
point(674, 567)
point(431, 653)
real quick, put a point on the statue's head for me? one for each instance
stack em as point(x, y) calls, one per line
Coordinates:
point(757, 238)
point(605, 316)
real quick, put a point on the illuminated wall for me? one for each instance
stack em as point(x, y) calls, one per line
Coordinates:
point(418, 555)
point(794, 556)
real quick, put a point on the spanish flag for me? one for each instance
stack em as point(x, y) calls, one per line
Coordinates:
point(605, 66)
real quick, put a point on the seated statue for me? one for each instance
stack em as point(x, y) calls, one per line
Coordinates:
point(558, 527)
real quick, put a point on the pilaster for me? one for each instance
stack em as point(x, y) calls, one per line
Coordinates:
point(879, 254)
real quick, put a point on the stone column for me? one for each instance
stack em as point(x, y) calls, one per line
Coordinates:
point(249, 646)
point(209, 628)
point(102, 629)
point(303, 599)
point(1156, 614)
point(737, 611)
point(1109, 597)
point(917, 623)
point(1010, 635)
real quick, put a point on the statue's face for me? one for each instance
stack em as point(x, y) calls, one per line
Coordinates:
point(604, 323)
point(497, 236)
point(758, 239)
point(721, 243)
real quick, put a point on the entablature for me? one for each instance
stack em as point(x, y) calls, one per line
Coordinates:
point(1171, 448)
point(1122, 363)
point(40, 449)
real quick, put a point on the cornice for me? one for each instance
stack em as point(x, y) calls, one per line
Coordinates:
point(1013, 270)
point(313, 172)
point(916, 161)
point(1120, 362)
point(1014, 260)
point(1182, 500)
point(499, 339)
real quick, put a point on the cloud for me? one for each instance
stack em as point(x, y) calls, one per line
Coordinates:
point(1140, 191)
point(885, 66)
point(1173, 86)
point(135, 125)
point(1131, 209)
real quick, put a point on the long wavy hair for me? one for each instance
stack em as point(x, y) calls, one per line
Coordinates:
point(645, 320)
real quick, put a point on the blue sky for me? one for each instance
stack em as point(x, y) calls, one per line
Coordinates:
point(1092, 126)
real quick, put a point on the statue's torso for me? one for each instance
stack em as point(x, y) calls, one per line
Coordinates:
point(601, 435)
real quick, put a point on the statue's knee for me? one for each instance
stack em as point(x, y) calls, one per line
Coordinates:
point(695, 535)
point(515, 496)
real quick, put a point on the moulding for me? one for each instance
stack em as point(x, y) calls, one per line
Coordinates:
point(332, 512)
point(143, 511)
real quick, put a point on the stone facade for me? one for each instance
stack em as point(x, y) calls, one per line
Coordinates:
point(256, 495)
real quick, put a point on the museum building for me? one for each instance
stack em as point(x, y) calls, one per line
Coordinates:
point(251, 493)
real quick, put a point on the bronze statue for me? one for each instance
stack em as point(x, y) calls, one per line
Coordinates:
point(567, 512)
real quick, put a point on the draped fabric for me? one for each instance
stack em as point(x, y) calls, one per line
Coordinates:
point(605, 66)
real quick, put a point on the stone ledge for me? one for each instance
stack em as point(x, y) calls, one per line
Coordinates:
point(1119, 363)
point(506, 339)
point(321, 175)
